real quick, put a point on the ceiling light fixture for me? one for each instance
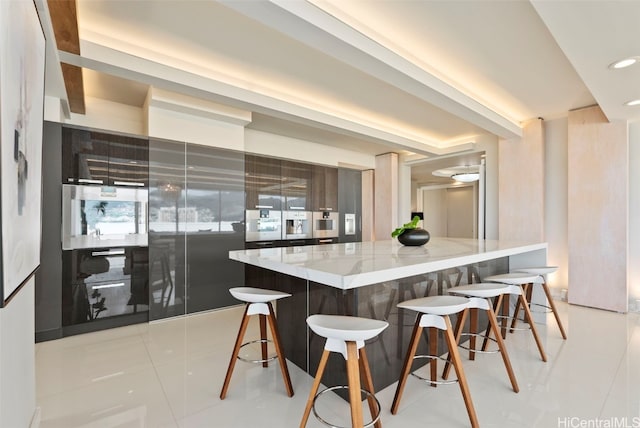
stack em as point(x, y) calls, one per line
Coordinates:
point(466, 177)
point(624, 63)
point(633, 103)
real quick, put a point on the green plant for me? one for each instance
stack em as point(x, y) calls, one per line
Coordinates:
point(411, 225)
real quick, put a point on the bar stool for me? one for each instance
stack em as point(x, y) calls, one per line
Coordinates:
point(480, 296)
point(516, 282)
point(434, 313)
point(346, 335)
point(258, 302)
point(541, 279)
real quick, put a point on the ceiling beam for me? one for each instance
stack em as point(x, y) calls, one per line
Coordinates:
point(64, 20)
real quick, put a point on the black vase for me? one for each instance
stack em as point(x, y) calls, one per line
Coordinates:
point(414, 237)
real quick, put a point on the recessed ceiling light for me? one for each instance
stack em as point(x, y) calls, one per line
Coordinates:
point(623, 63)
point(633, 103)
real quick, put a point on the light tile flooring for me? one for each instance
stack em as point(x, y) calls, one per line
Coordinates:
point(169, 375)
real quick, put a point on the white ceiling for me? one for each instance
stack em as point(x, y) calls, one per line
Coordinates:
point(420, 76)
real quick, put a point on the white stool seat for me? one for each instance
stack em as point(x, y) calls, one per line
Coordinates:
point(539, 270)
point(485, 289)
point(515, 278)
point(345, 328)
point(256, 295)
point(436, 305)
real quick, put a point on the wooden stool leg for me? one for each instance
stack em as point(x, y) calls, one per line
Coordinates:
point(433, 350)
point(462, 379)
point(516, 312)
point(275, 333)
point(236, 350)
point(553, 309)
point(406, 367)
point(353, 380)
point(365, 375)
point(505, 313)
point(314, 388)
point(263, 337)
point(497, 306)
point(534, 331)
point(457, 333)
point(473, 329)
point(493, 322)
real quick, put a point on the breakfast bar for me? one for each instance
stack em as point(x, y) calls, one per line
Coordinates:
point(369, 279)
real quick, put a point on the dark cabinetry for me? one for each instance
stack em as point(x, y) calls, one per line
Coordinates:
point(196, 215)
point(103, 283)
point(296, 185)
point(93, 157)
point(324, 188)
point(263, 182)
point(350, 204)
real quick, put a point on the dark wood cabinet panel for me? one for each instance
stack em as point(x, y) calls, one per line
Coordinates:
point(325, 188)
point(94, 157)
point(296, 185)
point(263, 182)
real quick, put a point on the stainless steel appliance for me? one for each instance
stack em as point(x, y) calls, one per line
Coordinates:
point(297, 225)
point(349, 224)
point(103, 216)
point(263, 225)
point(325, 224)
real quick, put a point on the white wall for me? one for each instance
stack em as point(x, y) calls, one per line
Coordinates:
point(17, 359)
point(434, 206)
point(489, 145)
point(634, 215)
point(555, 172)
point(107, 115)
point(268, 144)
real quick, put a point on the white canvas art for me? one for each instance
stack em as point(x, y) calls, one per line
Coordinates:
point(22, 53)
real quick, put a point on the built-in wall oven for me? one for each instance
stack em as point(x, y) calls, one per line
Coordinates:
point(263, 225)
point(325, 224)
point(103, 216)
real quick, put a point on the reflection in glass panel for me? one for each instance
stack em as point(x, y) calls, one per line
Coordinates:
point(214, 225)
point(167, 212)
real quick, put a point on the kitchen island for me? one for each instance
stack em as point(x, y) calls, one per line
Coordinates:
point(368, 279)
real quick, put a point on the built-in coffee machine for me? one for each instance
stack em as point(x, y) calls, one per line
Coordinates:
point(297, 225)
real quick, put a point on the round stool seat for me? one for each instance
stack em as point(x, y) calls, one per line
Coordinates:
point(514, 278)
point(346, 328)
point(436, 305)
point(485, 289)
point(256, 295)
point(539, 270)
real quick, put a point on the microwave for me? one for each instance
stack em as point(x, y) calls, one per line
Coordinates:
point(103, 216)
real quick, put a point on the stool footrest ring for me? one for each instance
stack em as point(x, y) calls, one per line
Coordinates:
point(479, 351)
point(375, 417)
point(510, 318)
point(546, 310)
point(432, 382)
point(266, 360)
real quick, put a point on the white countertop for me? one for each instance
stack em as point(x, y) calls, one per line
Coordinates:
point(357, 264)
point(105, 241)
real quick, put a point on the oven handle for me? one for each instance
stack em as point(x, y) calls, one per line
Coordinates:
point(89, 181)
point(128, 183)
point(114, 252)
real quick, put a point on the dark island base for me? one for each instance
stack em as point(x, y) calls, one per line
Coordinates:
point(387, 351)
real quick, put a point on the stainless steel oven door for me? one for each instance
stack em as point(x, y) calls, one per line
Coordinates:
point(325, 224)
point(263, 225)
point(103, 216)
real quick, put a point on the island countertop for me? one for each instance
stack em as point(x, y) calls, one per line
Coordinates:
point(357, 264)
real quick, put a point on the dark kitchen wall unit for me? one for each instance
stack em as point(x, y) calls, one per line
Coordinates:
point(196, 216)
point(350, 204)
point(104, 287)
point(263, 182)
point(95, 157)
point(324, 188)
point(48, 280)
point(296, 185)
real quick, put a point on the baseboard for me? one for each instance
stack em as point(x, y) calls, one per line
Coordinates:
point(35, 420)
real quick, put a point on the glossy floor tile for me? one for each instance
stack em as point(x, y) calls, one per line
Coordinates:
point(169, 374)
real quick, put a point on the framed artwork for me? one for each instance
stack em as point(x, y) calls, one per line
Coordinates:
point(22, 62)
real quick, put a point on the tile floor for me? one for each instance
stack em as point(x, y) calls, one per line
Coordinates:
point(169, 375)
